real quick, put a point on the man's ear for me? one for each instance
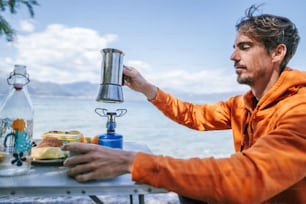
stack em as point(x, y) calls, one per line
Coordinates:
point(279, 53)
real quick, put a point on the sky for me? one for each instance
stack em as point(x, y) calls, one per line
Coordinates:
point(175, 44)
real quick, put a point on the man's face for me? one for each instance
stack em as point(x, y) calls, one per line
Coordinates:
point(253, 64)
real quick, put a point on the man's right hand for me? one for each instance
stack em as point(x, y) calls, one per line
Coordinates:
point(134, 80)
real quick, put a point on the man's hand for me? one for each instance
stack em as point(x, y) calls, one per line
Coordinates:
point(134, 80)
point(94, 162)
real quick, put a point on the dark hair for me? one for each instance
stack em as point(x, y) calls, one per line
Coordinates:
point(271, 30)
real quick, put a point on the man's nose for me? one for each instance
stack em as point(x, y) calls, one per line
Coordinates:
point(235, 56)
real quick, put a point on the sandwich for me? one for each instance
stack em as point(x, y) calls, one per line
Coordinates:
point(49, 148)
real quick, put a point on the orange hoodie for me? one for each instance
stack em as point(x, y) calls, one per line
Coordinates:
point(269, 165)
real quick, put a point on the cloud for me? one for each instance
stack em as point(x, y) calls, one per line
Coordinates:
point(198, 82)
point(143, 67)
point(26, 26)
point(63, 54)
point(194, 82)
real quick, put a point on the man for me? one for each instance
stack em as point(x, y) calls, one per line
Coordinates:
point(268, 124)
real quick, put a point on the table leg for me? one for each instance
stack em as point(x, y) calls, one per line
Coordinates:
point(96, 199)
point(141, 199)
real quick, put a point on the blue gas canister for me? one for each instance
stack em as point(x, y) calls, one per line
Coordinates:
point(110, 138)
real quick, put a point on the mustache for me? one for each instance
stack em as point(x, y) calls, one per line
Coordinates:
point(236, 64)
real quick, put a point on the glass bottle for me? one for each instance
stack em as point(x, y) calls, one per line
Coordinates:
point(16, 125)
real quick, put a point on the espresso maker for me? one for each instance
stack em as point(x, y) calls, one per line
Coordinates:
point(110, 90)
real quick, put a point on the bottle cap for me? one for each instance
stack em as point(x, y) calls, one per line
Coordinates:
point(19, 77)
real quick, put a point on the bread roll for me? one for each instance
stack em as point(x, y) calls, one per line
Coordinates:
point(48, 148)
point(48, 153)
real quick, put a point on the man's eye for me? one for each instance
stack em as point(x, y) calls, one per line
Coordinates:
point(245, 47)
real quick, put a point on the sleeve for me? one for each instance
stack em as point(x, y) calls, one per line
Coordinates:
point(273, 164)
point(215, 116)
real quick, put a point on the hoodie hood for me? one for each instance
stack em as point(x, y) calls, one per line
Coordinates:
point(289, 82)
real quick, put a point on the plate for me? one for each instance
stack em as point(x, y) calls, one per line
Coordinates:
point(48, 162)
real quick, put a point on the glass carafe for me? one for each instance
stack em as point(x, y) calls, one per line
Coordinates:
point(16, 125)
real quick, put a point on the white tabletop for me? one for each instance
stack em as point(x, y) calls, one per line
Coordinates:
point(52, 180)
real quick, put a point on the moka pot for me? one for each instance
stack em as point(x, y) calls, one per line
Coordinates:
point(111, 76)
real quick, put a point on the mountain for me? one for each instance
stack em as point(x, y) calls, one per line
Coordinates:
point(89, 90)
point(38, 88)
point(77, 90)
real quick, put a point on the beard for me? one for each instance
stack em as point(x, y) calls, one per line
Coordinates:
point(245, 79)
